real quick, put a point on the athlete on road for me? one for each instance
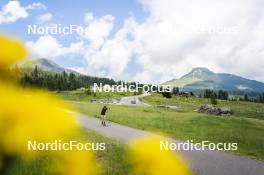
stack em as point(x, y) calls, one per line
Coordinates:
point(103, 115)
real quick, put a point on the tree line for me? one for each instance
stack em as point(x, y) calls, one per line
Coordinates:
point(72, 81)
point(60, 81)
point(217, 95)
point(258, 99)
point(208, 93)
point(221, 94)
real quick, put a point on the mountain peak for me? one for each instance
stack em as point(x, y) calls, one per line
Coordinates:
point(201, 69)
point(201, 78)
point(199, 72)
point(44, 60)
point(46, 65)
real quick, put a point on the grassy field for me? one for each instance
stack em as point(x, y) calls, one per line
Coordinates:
point(112, 159)
point(188, 125)
point(79, 95)
point(240, 108)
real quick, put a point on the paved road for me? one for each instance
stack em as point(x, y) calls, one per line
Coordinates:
point(201, 162)
point(133, 100)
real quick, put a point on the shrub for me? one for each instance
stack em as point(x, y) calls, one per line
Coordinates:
point(166, 94)
point(213, 100)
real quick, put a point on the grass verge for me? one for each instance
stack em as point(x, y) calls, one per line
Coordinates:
point(112, 160)
point(79, 95)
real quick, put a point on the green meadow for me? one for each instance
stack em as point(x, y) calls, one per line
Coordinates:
point(245, 127)
point(239, 108)
point(82, 95)
point(111, 161)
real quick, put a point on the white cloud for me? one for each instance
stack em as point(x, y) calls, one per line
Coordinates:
point(49, 47)
point(104, 57)
point(13, 11)
point(97, 29)
point(88, 17)
point(45, 46)
point(44, 18)
point(100, 52)
point(110, 55)
point(225, 36)
point(36, 6)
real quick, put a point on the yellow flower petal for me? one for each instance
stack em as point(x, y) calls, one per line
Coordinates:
point(11, 51)
point(147, 159)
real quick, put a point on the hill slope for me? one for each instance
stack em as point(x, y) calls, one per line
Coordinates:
point(202, 78)
point(45, 65)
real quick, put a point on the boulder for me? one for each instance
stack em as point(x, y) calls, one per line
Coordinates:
point(209, 109)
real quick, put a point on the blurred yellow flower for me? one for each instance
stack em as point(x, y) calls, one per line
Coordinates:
point(33, 115)
point(146, 158)
point(11, 51)
point(27, 114)
point(78, 162)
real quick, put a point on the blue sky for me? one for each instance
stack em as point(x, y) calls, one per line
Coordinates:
point(144, 40)
point(72, 12)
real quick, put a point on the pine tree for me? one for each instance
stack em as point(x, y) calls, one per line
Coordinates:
point(246, 97)
point(213, 100)
point(175, 91)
